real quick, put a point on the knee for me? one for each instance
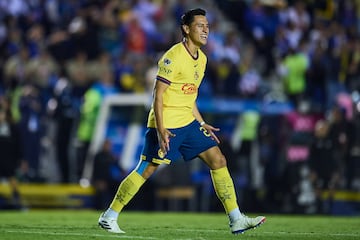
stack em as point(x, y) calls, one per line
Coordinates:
point(147, 172)
point(146, 169)
point(218, 162)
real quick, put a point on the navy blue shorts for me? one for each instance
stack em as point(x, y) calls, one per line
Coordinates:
point(188, 143)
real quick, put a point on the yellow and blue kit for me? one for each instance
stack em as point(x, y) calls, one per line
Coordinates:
point(183, 73)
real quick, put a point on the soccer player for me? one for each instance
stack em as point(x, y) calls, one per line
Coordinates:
point(176, 129)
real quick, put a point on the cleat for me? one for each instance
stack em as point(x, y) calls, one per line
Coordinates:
point(245, 223)
point(109, 224)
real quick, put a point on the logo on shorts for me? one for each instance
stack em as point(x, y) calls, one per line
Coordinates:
point(161, 154)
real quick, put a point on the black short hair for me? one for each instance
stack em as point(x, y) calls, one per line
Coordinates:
point(188, 17)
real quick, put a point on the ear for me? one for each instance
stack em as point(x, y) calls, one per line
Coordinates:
point(186, 29)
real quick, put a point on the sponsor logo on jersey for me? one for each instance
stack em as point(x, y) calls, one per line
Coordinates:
point(165, 70)
point(189, 88)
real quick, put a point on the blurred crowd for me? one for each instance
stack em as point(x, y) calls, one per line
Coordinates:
point(59, 59)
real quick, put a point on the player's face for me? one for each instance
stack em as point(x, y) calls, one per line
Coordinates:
point(199, 30)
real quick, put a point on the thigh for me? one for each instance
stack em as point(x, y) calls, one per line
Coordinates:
point(196, 141)
point(213, 157)
point(146, 169)
point(151, 150)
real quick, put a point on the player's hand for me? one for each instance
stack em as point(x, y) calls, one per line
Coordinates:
point(210, 129)
point(164, 140)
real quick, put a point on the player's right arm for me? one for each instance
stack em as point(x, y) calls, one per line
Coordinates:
point(163, 133)
point(208, 127)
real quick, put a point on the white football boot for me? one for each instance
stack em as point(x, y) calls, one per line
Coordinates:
point(109, 224)
point(245, 223)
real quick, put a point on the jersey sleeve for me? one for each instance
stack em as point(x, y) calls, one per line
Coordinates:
point(167, 68)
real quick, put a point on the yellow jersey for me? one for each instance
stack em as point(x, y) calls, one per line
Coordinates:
point(184, 73)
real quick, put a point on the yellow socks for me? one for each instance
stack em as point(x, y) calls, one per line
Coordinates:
point(222, 181)
point(127, 190)
point(224, 188)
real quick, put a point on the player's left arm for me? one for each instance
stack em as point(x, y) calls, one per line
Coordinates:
point(209, 128)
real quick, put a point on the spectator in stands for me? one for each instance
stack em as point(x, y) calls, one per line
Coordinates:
point(347, 11)
point(15, 68)
point(41, 69)
point(132, 78)
point(15, 77)
point(135, 37)
point(93, 98)
point(64, 114)
point(299, 16)
point(14, 41)
point(250, 79)
point(100, 65)
point(271, 146)
point(249, 123)
point(32, 129)
point(11, 159)
point(261, 23)
point(78, 70)
point(316, 79)
point(342, 133)
point(301, 124)
point(227, 78)
point(84, 30)
point(293, 71)
point(324, 169)
point(35, 39)
point(354, 161)
point(110, 39)
point(338, 60)
point(106, 175)
point(353, 77)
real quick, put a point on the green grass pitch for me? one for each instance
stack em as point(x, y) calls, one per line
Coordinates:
point(82, 225)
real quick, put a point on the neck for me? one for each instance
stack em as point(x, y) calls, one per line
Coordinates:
point(192, 48)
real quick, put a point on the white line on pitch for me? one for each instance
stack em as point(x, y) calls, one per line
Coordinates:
point(261, 232)
point(81, 234)
point(315, 233)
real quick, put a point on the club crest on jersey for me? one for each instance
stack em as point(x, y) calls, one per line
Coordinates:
point(167, 61)
point(196, 76)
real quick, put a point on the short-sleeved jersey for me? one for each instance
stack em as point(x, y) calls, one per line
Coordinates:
point(184, 74)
